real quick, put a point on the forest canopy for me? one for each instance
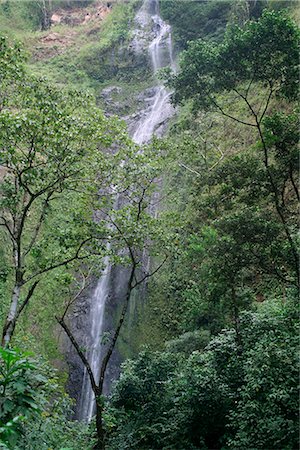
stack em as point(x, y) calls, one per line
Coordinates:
point(202, 224)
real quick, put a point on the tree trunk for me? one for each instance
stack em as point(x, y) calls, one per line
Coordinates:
point(98, 388)
point(45, 7)
point(11, 318)
point(100, 445)
point(277, 204)
point(99, 405)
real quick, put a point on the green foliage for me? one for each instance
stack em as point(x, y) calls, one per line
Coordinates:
point(110, 57)
point(282, 137)
point(192, 20)
point(24, 15)
point(70, 4)
point(231, 253)
point(216, 398)
point(17, 393)
point(34, 410)
point(234, 245)
point(53, 428)
point(12, 58)
point(227, 378)
point(243, 56)
point(207, 20)
point(21, 17)
point(140, 394)
point(189, 342)
point(265, 413)
point(50, 172)
point(102, 56)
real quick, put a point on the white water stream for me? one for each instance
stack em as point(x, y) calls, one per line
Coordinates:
point(150, 28)
point(160, 51)
point(87, 398)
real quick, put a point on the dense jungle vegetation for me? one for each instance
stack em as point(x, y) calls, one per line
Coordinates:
point(211, 355)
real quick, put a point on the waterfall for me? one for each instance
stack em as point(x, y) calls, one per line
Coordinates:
point(96, 319)
point(160, 51)
point(150, 28)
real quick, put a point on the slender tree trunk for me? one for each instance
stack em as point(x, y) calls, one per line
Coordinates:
point(9, 326)
point(112, 345)
point(12, 324)
point(293, 182)
point(277, 204)
point(98, 388)
point(100, 445)
point(99, 404)
point(45, 7)
point(274, 188)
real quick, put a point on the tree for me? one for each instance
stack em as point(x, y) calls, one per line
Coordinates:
point(265, 415)
point(34, 409)
point(194, 19)
point(239, 61)
point(134, 233)
point(211, 398)
point(17, 394)
point(238, 243)
point(12, 58)
point(140, 401)
point(45, 9)
point(51, 162)
point(231, 244)
point(237, 67)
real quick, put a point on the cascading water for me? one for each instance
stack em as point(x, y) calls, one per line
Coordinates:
point(97, 310)
point(152, 29)
point(160, 50)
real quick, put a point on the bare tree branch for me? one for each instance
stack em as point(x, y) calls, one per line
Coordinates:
point(11, 324)
point(6, 225)
point(62, 263)
point(189, 169)
point(73, 299)
point(231, 117)
point(27, 298)
point(39, 223)
point(148, 275)
point(112, 344)
point(80, 354)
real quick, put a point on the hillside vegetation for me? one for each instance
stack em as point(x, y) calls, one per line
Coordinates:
point(211, 353)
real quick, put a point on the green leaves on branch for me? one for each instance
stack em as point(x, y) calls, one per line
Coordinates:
point(34, 410)
point(17, 393)
point(212, 398)
point(265, 51)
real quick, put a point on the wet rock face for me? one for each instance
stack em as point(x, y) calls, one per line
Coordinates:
point(115, 103)
point(81, 327)
point(79, 324)
point(111, 105)
point(146, 113)
point(107, 92)
point(147, 95)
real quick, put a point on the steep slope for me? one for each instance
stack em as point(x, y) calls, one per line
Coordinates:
point(229, 254)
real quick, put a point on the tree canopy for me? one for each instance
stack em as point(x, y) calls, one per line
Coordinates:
point(202, 227)
point(264, 51)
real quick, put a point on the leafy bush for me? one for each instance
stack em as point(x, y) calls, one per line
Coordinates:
point(34, 410)
point(195, 19)
point(18, 381)
point(217, 398)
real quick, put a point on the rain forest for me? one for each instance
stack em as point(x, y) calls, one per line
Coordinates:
point(149, 224)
